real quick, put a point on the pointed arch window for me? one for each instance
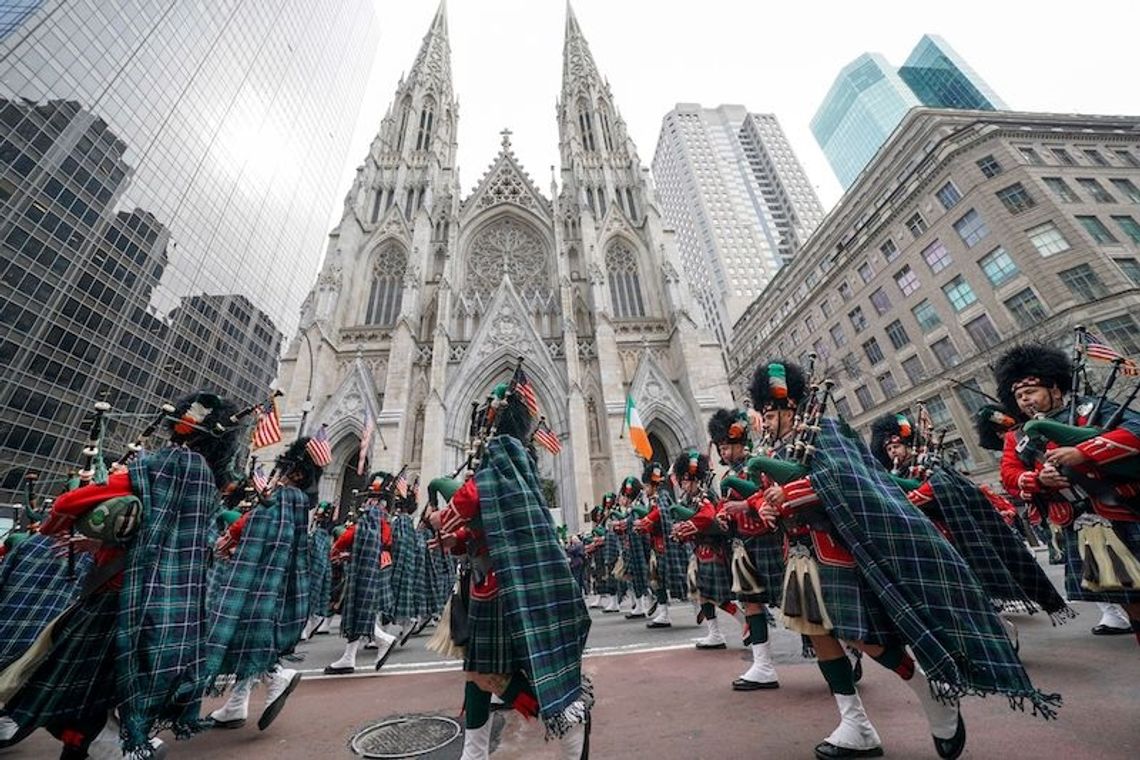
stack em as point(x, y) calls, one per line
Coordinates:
point(387, 289)
point(405, 114)
point(625, 285)
point(586, 125)
point(427, 118)
point(604, 118)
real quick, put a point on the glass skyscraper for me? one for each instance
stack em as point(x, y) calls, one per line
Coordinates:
point(870, 97)
point(167, 172)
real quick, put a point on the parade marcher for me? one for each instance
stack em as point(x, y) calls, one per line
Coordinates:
point(864, 567)
point(976, 522)
point(526, 621)
point(408, 575)
point(320, 571)
point(668, 566)
point(635, 546)
point(612, 554)
point(136, 638)
point(601, 582)
point(698, 510)
point(756, 580)
point(260, 591)
point(364, 549)
point(1097, 509)
point(576, 554)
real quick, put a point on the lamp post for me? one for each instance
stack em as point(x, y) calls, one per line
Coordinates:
point(308, 405)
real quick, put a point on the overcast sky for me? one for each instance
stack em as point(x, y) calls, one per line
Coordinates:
point(777, 57)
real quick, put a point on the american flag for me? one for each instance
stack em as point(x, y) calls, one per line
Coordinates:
point(267, 430)
point(546, 438)
point(1095, 348)
point(526, 391)
point(401, 485)
point(365, 441)
point(318, 447)
point(260, 479)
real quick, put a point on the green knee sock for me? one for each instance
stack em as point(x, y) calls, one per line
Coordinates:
point(662, 596)
point(476, 706)
point(757, 628)
point(839, 675)
point(896, 658)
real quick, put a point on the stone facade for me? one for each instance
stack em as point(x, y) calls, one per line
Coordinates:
point(968, 233)
point(426, 298)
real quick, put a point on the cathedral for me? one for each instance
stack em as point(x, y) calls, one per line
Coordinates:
point(426, 299)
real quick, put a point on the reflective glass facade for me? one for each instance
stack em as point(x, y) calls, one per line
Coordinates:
point(167, 172)
point(870, 97)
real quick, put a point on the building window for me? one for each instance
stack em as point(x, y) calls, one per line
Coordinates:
point(907, 280)
point(586, 125)
point(936, 256)
point(387, 290)
point(1121, 333)
point(865, 272)
point(1128, 189)
point(914, 370)
point(1129, 226)
point(989, 166)
point(1095, 156)
point(863, 393)
point(998, 266)
point(1127, 157)
point(881, 302)
point(888, 385)
point(916, 224)
point(971, 228)
point(1083, 282)
point(625, 285)
point(1130, 267)
point(838, 336)
point(1016, 198)
point(819, 348)
point(1026, 308)
point(926, 316)
point(939, 412)
point(972, 396)
point(982, 331)
point(845, 291)
point(1064, 156)
point(1096, 229)
point(1047, 239)
point(889, 250)
point(948, 196)
point(946, 353)
point(1030, 156)
point(959, 293)
point(427, 117)
point(843, 406)
point(873, 351)
point(1096, 190)
point(897, 334)
point(825, 308)
point(1061, 189)
point(858, 320)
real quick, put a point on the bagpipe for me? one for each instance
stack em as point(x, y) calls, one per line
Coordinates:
point(483, 425)
point(802, 448)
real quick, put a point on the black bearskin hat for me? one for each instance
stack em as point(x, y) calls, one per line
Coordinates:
point(992, 424)
point(654, 472)
point(890, 428)
point(512, 417)
point(297, 461)
point(691, 464)
point(777, 384)
point(630, 487)
point(381, 484)
point(1047, 364)
point(201, 422)
point(728, 426)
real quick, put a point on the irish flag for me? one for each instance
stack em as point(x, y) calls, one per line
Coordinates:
point(637, 435)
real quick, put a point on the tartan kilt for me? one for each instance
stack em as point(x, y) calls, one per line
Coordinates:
point(443, 579)
point(385, 595)
point(637, 563)
point(767, 555)
point(423, 579)
point(855, 613)
point(1129, 533)
point(77, 680)
point(489, 642)
point(714, 580)
point(320, 573)
point(604, 583)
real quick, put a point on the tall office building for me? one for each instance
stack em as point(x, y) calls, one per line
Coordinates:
point(870, 97)
point(738, 199)
point(156, 156)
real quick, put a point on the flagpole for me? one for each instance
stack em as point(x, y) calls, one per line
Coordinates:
point(624, 418)
point(308, 405)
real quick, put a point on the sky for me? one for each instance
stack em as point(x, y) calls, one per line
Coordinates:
point(773, 57)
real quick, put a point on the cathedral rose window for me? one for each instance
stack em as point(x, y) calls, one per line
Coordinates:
point(507, 247)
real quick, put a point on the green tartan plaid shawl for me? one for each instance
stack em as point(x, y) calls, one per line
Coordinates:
point(160, 662)
point(294, 607)
point(546, 618)
point(405, 561)
point(926, 588)
point(1008, 571)
point(674, 566)
point(320, 572)
point(363, 578)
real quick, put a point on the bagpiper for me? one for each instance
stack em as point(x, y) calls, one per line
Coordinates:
point(668, 565)
point(1077, 455)
point(635, 546)
point(320, 571)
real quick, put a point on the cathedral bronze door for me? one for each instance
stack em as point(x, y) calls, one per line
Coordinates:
point(348, 481)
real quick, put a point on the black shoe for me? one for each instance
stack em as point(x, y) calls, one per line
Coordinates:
point(652, 609)
point(828, 751)
point(857, 670)
point(419, 628)
point(743, 684)
point(638, 616)
point(384, 659)
point(331, 671)
point(655, 624)
point(721, 645)
point(1110, 630)
point(273, 709)
point(609, 612)
point(949, 749)
point(228, 724)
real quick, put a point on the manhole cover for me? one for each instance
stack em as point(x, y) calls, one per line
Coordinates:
point(406, 736)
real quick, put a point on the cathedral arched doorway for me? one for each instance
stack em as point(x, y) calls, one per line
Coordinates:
point(662, 454)
point(349, 480)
